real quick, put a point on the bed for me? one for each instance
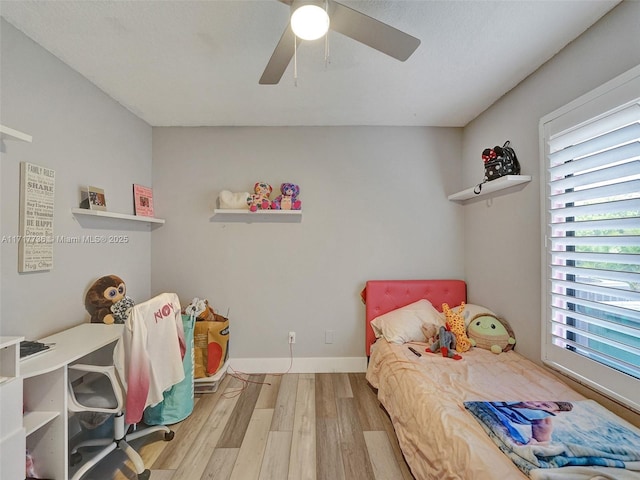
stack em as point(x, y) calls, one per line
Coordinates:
point(429, 398)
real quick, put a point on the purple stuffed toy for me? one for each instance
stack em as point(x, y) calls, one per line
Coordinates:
point(289, 198)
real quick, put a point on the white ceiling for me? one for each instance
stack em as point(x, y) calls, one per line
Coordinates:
point(197, 63)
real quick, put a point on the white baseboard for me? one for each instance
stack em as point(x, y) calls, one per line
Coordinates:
point(300, 365)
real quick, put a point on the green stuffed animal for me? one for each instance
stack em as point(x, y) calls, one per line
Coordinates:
point(491, 333)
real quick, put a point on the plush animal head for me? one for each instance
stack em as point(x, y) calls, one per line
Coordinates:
point(102, 295)
point(430, 331)
point(290, 189)
point(263, 189)
point(491, 333)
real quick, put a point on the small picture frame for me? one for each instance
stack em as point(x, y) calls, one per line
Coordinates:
point(142, 200)
point(93, 198)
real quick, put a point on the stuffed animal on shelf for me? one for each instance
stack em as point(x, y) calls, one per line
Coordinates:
point(445, 343)
point(289, 198)
point(107, 302)
point(491, 333)
point(260, 199)
point(455, 321)
point(234, 200)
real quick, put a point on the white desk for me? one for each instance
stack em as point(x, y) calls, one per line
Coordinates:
point(45, 394)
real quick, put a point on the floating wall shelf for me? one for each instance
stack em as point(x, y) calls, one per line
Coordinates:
point(264, 216)
point(121, 216)
point(7, 133)
point(490, 187)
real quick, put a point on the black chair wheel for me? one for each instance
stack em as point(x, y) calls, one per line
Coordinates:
point(168, 436)
point(144, 475)
point(75, 459)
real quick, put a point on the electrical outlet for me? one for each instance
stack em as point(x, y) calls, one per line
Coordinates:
point(292, 337)
point(328, 336)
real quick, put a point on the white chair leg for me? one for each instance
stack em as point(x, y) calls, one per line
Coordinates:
point(97, 442)
point(133, 456)
point(148, 430)
point(93, 462)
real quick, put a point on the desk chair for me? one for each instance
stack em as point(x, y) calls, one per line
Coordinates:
point(147, 359)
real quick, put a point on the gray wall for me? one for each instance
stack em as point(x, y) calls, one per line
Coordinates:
point(374, 206)
point(510, 225)
point(88, 139)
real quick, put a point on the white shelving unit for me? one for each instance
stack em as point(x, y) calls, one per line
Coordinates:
point(7, 133)
point(120, 216)
point(490, 187)
point(246, 216)
point(12, 432)
point(44, 381)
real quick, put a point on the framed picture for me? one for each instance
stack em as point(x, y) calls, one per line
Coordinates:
point(37, 192)
point(142, 200)
point(93, 198)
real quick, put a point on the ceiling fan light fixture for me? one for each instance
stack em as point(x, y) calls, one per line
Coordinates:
point(310, 22)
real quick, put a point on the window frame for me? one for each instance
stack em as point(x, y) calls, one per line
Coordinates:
point(593, 105)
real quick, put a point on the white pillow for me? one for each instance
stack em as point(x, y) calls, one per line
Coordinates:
point(471, 311)
point(403, 324)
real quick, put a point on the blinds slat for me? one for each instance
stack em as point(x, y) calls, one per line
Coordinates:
point(616, 173)
point(563, 315)
point(597, 290)
point(598, 241)
point(609, 140)
point(622, 224)
point(612, 208)
point(613, 308)
point(624, 116)
point(618, 189)
point(566, 328)
point(598, 356)
point(613, 258)
point(600, 159)
point(611, 275)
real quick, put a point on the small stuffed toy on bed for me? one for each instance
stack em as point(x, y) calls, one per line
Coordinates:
point(455, 321)
point(491, 333)
point(445, 343)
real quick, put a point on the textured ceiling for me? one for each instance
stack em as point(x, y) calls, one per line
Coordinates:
point(197, 63)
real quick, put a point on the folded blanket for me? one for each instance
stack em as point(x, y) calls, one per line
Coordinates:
point(537, 434)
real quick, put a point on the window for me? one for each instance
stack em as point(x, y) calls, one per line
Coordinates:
point(591, 260)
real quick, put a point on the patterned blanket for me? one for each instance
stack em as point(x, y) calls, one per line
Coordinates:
point(551, 434)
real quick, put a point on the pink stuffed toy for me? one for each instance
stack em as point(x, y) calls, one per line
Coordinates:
point(289, 198)
point(260, 199)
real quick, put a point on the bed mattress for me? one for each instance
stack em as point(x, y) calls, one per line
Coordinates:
point(441, 440)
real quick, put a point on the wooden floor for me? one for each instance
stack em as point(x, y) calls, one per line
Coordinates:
point(294, 426)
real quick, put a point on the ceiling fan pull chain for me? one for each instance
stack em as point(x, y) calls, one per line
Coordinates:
point(295, 61)
point(326, 51)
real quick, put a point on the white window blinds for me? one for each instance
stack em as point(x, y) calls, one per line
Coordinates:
point(592, 241)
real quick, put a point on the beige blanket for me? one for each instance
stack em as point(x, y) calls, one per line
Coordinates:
point(440, 440)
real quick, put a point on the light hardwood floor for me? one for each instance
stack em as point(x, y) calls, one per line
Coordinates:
point(293, 426)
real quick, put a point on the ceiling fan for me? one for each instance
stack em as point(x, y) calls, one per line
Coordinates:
point(344, 20)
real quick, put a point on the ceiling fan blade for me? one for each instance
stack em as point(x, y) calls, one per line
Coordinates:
point(280, 58)
point(371, 32)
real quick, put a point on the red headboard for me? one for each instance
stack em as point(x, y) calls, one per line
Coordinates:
point(382, 296)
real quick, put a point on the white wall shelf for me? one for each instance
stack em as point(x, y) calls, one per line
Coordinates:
point(264, 216)
point(121, 216)
point(7, 133)
point(490, 187)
